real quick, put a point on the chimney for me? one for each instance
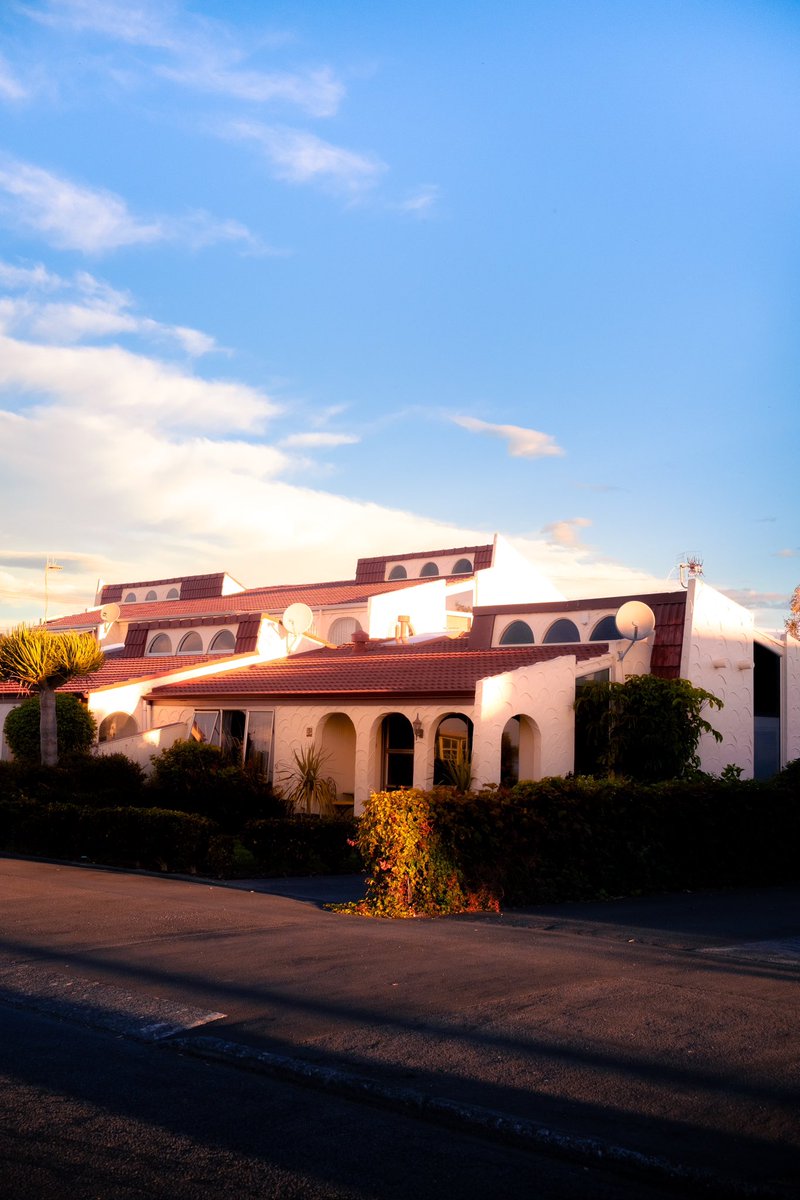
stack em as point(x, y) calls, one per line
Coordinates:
point(403, 628)
point(360, 640)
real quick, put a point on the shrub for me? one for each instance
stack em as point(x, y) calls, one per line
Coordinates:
point(195, 777)
point(302, 846)
point(75, 724)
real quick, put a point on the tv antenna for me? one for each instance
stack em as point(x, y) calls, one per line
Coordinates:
point(692, 565)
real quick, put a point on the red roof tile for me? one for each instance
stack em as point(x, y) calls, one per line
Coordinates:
point(669, 609)
point(373, 570)
point(191, 586)
point(118, 669)
point(417, 670)
point(272, 600)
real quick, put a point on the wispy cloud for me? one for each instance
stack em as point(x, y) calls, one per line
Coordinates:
point(297, 156)
point(566, 532)
point(10, 86)
point(787, 552)
point(73, 216)
point(311, 441)
point(197, 52)
point(422, 201)
point(749, 598)
point(89, 309)
point(522, 443)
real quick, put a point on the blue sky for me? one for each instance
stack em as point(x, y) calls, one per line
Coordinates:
point(286, 284)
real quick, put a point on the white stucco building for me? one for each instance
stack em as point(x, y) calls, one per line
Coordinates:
point(420, 660)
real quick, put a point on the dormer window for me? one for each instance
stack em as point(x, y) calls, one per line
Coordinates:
point(398, 573)
point(130, 598)
point(160, 644)
point(223, 643)
point(518, 633)
point(562, 631)
point(462, 567)
point(191, 644)
point(151, 595)
point(605, 631)
point(429, 571)
point(173, 594)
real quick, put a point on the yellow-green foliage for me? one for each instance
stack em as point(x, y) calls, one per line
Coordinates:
point(412, 870)
point(35, 657)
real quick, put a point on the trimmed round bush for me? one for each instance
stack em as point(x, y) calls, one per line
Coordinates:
point(76, 726)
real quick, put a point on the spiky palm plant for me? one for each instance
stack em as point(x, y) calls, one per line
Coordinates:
point(40, 661)
point(305, 784)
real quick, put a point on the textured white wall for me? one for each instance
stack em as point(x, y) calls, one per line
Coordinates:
point(5, 708)
point(142, 746)
point(791, 701)
point(426, 605)
point(718, 656)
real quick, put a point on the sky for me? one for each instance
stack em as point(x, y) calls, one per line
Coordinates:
point(287, 284)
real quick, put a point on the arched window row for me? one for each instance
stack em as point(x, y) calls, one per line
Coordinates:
point(561, 632)
point(430, 570)
point(223, 642)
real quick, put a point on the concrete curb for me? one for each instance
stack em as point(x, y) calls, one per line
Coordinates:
point(485, 1122)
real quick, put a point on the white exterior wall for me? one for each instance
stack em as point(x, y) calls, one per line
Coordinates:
point(5, 708)
point(790, 701)
point(545, 693)
point(718, 656)
point(142, 746)
point(426, 605)
point(512, 579)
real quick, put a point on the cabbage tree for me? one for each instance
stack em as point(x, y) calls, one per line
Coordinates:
point(40, 661)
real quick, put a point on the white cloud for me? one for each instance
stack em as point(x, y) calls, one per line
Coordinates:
point(72, 216)
point(296, 156)
point(567, 532)
point(522, 443)
point(97, 382)
point(787, 552)
point(92, 309)
point(308, 441)
point(201, 53)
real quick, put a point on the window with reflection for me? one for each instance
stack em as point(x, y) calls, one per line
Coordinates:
point(191, 644)
point(429, 570)
point(453, 750)
point(223, 642)
point(160, 644)
point(398, 752)
point(173, 594)
point(605, 631)
point(151, 595)
point(518, 633)
point(463, 567)
point(562, 631)
point(398, 573)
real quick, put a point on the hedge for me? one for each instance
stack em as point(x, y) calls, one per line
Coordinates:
point(431, 853)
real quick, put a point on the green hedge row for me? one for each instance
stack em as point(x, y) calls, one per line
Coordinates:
point(574, 839)
point(163, 840)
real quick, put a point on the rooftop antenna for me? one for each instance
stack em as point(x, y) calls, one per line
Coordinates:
point(690, 568)
point(50, 565)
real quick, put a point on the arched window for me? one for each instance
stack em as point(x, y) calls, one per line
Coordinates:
point(223, 643)
point(518, 633)
point(453, 745)
point(130, 598)
point(151, 595)
point(605, 631)
point(173, 594)
point(562, 631)
point(463, 567)
point(116, 725)
point(191, 644)
point(342, 630)
point(160, 644)
point(398, 573)
point(428, 571)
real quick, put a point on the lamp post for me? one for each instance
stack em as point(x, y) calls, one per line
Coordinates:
point(50, 565)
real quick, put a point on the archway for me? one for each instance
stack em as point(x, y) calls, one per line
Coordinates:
point(397, 752)
point(117, 725)
point(338, 742)
point(453, 750)
point(520, 751)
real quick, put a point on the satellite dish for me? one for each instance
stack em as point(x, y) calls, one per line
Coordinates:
point(109, 613)
point(297, 618)
point(635, 620)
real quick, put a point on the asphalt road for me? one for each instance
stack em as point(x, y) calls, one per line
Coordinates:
point(664, 1028)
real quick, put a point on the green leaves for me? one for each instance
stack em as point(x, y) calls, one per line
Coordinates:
point(35, 657)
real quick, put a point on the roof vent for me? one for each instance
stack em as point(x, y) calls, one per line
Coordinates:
point(360, 640)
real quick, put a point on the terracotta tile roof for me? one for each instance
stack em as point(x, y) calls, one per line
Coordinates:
point(427, 670)
point(192, 587)
point(669, 609)
point(118, 669)
point(247, 635)
point(373, 570)
point(271, 600)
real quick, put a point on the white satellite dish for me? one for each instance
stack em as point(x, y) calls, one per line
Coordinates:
point(109, 613)
point(297, 619)
point(635, 620)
